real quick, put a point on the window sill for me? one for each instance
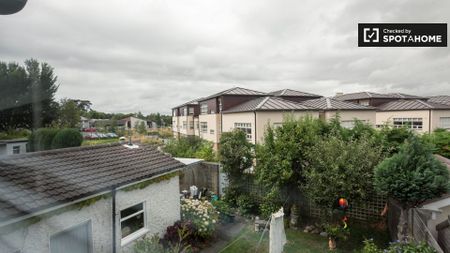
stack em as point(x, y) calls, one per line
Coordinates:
point(132, 237)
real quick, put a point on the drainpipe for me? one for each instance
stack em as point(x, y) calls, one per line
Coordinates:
point(429, 121)
point(255, 126)
point(114, 243)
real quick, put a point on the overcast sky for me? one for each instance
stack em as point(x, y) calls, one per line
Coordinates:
point(150, 55)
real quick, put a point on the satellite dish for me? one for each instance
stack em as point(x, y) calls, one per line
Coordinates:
point(8, 7)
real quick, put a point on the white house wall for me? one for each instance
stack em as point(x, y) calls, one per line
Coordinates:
point(388, 116)
point(162, 209)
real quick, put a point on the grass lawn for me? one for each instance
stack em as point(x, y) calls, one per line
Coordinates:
point(298, 241)
point(99, 141)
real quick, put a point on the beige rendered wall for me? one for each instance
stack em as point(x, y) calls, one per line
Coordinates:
point(435, 117)
point(229, 119)
point(387, 117)
point(188, 119)
point(368, 116)
point(263, 119)
point(213, 121)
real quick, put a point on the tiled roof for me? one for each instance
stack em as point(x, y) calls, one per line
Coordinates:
point(405, 96)
point(408, 105)
point(363, 95)
point(440, 100)
point(334, 104)
point(293, 93)
point(268, 104)
point(236, 91)
point(36, 181)
point(192, 102)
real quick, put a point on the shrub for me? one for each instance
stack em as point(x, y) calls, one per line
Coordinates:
point(202, 215)
point(42, 139)
point(173, 233)
point(225, 211)
point(397, 247)
point(66, 138)
point(247, 204)
point(154, 245)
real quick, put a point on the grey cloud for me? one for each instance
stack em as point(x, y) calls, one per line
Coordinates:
point(152, 55)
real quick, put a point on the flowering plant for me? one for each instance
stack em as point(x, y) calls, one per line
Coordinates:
point(202, 214)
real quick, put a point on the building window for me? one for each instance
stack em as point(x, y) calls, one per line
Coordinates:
point(184, 111)
point(191, 110)
point(174, 113)
point(444, 122)
point(211, 131)
point(349, 124)
point(277, 124)
point(364, 102)
point(246, 128)
point(197, 126)
point(75, 239)
point(184, 125)
point(413, 123)
point(204, 109)
point(191, 124)
point(204, 127)
point(16, 150)
point(132, 219)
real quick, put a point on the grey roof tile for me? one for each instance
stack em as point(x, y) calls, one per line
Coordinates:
point(292, 93)
point(440, 99)
point(408, 105)
point(35, 181)
point(334, 104)
point(236, 91)
point(269, 103)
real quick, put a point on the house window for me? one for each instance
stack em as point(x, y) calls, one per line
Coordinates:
point(246, 128)
point(75, 239)
point(191, 111)
point(132, 219)
point(349, 124)
point(16, 150)
point(197, 126)
point(184, 125)
point(191, 124)
point(413, 123)
point(211, 131)
point(204, 109)
point(364, 102)
point(444, 122)
point(204, 127)
point(277, 125)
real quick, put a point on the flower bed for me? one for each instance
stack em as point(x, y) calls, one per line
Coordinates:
point(201, 214)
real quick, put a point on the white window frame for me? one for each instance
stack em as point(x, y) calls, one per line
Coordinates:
point(204, 127)
point(184, 125)
point(16, 147)
point(409, 122)
point(244, 127)
point(138, 233)
point(446, 125)
point(204, 108)
point(191, 111)
point(211, 131)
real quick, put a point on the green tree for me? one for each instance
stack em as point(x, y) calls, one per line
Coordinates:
point(236, 156)
point(281, 160)
point(335, 169)
point(440, 140)
point(69, 114)
point(27, 95)
point(66, 138)
point(141, 128)
point(411, 177)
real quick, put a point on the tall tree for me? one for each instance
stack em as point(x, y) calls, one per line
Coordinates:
point(28, 95)
point(411, 177)
point(336, 167)
point(69, 114)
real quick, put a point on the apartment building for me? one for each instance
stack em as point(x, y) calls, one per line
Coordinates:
point(419, 115)
point(203, 117)
point(254, 116)
point(347, 112)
